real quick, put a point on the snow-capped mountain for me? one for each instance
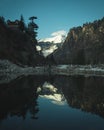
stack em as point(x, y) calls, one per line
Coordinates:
point(56, 37)
point(49, 45)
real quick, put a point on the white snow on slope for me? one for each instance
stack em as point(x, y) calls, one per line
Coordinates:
point(56, 37)
point(50, 50)
point(49, 45)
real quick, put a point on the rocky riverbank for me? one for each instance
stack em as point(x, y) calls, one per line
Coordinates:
point(9, 71)
point(86, 70)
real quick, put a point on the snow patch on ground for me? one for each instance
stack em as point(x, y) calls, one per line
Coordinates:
point(10, 71)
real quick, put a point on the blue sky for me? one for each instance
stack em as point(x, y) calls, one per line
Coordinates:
point(53, 15)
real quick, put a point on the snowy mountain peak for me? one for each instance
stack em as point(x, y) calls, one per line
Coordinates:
point(49, 45)
point(56, 37)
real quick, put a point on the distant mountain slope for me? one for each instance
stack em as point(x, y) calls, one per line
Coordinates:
point(83, 45)
point(49, 45)
point(17, 47)
point(56, 37)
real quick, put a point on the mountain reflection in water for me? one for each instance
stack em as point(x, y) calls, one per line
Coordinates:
point(59, 102)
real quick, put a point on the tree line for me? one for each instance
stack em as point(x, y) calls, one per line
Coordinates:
point(30, 28)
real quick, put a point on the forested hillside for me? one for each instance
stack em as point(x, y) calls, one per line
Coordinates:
point(83, 45)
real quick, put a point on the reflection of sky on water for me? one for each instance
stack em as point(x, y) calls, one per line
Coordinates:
point(48, 91)
point(30, 103)
point(65, 117)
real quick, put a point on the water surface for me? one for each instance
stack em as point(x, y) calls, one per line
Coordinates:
point(47, 103)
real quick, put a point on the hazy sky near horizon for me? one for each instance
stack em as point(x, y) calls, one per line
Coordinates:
point(53, 15)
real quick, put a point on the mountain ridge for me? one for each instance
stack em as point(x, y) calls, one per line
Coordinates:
point(83, 45)
point(49, 45)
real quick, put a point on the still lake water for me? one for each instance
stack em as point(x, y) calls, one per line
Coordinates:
point(52, 103)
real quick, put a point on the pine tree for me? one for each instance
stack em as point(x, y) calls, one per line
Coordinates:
point(32, 27)
point(2, 19)
point(22, 24)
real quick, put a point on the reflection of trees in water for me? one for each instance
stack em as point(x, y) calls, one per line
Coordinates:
point(85, 93)
point(19, 97)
